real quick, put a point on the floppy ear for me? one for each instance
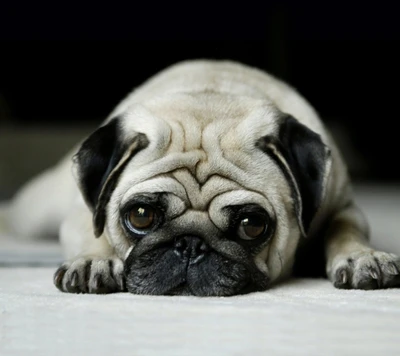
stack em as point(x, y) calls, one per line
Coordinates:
point(305, 161)
point(98, 165)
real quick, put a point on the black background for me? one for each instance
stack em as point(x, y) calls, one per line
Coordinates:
point(61, 64)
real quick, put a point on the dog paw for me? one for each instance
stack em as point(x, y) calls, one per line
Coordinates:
point(90, 275)
point(365, 270)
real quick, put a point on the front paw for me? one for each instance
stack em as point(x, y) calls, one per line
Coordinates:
point(90, 275)
point(365, 270)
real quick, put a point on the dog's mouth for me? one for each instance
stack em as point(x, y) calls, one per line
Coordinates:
point(161, 272)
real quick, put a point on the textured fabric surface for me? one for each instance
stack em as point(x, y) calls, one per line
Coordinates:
point(299, 317)
point(302, 317)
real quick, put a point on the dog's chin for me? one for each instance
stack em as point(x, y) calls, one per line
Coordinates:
point(161, 272)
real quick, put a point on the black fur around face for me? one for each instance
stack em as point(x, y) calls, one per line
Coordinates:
point(164, 271)
point(196, 260)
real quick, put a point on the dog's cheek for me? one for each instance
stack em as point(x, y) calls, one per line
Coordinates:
point(276, 260)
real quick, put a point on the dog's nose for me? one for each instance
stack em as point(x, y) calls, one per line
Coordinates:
point(191, 248)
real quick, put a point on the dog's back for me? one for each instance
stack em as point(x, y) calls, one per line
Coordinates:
point(224, 77)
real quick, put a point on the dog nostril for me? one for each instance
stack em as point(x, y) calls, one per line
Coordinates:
point(204, 247)
point(180, 245)
point(192, 248)
point(181, 248)
point(199, 250)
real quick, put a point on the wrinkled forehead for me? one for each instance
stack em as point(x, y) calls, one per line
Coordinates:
point(205, 145)
point(183, 122)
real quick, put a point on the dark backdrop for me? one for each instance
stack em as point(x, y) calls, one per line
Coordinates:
point(62, 65)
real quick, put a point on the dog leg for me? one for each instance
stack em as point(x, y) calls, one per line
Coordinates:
point(351, 262)
point(91, 266)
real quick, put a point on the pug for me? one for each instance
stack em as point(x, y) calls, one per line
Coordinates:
point(210, 179)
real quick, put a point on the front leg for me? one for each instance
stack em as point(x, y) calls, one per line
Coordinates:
point(351, 262)
point(91, 266)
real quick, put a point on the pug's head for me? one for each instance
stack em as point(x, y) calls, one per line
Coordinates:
point(203, 194)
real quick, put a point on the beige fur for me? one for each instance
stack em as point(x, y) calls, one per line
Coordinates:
point(202, 119)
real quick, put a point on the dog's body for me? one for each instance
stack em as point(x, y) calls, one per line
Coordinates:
point(205, 180)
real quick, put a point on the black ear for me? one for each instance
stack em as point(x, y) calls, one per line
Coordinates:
point(305, 161)
point(99, 163)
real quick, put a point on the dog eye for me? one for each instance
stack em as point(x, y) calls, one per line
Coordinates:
point(140, 217)
point(251, 227)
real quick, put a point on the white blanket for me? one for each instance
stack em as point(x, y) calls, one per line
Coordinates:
point(299, 317)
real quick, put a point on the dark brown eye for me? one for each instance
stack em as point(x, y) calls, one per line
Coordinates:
point(251, 227)
point(141, 217)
